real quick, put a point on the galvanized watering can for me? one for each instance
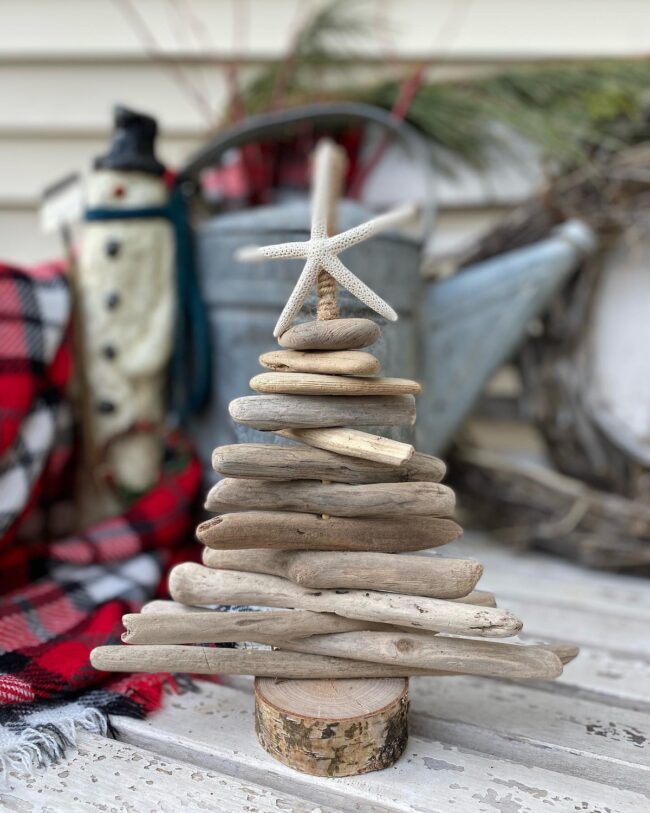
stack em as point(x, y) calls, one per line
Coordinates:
point(451, 335)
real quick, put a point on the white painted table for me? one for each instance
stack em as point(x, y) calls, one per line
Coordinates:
point(476, 746)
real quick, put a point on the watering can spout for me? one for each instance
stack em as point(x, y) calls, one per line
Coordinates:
point(472, 323)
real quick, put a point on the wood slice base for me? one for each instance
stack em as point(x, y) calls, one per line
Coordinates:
point(333, 727)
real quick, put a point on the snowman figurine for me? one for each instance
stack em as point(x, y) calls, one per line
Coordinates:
point(127, 305)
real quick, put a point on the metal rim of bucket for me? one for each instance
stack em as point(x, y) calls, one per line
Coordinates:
point(269, 125)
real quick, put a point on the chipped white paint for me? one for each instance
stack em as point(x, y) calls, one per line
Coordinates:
point(113, 777)
point(214, 729)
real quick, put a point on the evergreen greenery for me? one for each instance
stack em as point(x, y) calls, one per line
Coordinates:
point(572, 110)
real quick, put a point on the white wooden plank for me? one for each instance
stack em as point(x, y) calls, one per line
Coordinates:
point(63, 97)
point(214, 729)
point(530, 573)
point(536, 727)
point(558, 600)
point(112, 777)
point(615, 679)
point(445, 29)
point(21, 240)
point(27, 166)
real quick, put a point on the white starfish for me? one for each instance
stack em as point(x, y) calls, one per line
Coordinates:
point(321, 251)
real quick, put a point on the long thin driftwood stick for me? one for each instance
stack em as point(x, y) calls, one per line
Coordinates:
point(293, 531)
point(218, 661)
point(415, 575)
point(353, 443)
point(272, 461)
point(336, 499)
point(190, 583)
point(210, 626)
point(201, 660)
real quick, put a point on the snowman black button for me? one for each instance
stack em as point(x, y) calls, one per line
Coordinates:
point(109, 352)
point(113, 300)
point(112, 247)
point(105, 407)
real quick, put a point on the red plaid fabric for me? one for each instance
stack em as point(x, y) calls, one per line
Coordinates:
point(59, 599)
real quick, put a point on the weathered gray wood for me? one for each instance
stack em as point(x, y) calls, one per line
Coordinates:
point(537, 726)
point(416, 575)
point(335, 362)
point(336, 499)
point(433, 776)
point(459, 655)
point(316, 384)
point(190, 583)
point(202, 627)
point(352, 443)
point(270, 412)
point(334, 334)
point(271, 461)
point(289, 531)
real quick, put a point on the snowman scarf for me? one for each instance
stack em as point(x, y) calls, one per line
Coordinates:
point(59, 599)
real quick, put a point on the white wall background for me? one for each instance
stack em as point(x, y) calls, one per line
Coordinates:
point(64, 63)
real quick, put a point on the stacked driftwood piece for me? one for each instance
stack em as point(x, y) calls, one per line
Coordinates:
point(324, 530)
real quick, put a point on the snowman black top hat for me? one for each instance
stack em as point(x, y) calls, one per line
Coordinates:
point(132, 144)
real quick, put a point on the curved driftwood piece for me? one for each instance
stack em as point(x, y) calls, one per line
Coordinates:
point(336, 499)
point(352, 443)
point(316, 384)
point(332, 728)
point(461, 655)
point(268, 412)
point(335, 362)
point(272, 461)
point(211, 626)
point(190, 583)
point(332, 334)
point(415, 575)
point(297, 531)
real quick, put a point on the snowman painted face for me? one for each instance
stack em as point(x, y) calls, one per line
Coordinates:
point(124, 190)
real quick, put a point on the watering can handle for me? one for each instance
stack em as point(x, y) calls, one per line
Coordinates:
point(270, 124)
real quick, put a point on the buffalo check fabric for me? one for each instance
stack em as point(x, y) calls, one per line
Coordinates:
point(61, 597)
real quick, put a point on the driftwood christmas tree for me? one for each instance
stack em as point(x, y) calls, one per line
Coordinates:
point(321, 531)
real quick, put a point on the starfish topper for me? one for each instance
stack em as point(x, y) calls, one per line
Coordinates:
point(321, 250)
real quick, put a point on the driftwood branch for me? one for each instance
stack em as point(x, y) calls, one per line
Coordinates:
point(217, 661)
point(415, 575)
point(424, 651)
point(337, 362)
point(272, 461)
point(353, 443)
point(272, 412)
point(190, 583)
point(335, 334)
point(336, 499)
point(177, 626)
point(316, 384)
point(293, 531)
